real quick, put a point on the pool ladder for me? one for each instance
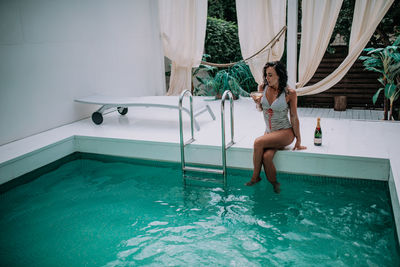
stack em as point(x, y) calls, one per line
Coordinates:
point(224, 147)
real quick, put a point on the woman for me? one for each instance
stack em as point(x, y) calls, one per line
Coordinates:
point(277, 99)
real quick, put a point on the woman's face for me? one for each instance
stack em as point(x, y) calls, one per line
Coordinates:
point(272, 77)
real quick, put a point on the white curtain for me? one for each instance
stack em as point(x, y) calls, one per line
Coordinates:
point(367, 15)
point(258, 22)
point(317, 24)
point(183, 29)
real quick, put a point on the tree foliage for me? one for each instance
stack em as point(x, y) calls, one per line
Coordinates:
point(222, 9)
point(344, 21)
point(387, 29)
point(222, 41)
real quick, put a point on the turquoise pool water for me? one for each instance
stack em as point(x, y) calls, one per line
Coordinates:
point(92, 213)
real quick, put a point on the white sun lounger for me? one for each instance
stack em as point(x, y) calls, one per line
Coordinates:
point(122, 104)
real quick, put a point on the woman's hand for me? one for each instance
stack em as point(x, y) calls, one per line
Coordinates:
point(298, 145)
point(256, 96)
point(257, 99)
point(258, 105)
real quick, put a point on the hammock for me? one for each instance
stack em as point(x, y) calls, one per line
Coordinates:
point(270, 43)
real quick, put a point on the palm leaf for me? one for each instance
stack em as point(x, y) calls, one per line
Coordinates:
point(368, 49)
point(381, 81)
point(375, 69)
point(364, 57)
point(375, 51)
point(397, 41)
point(392, 47)
point(241, 72)
point(395, 68)
point(390, 89)
point(373, 61)
point(236, 88)
point(201, 80)
point(396, 95)
point(376, 95)
point(208, 68)
point(395, 56)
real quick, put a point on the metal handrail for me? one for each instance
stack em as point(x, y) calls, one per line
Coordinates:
point(223, 146)
point(191, 140)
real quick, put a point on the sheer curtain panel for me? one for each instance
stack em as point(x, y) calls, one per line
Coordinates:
point(258, 22)
point(183, 29)
point(367, 15)
point(317, 24)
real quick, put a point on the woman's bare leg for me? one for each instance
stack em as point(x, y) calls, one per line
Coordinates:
point(274, 140)
point(269, 168)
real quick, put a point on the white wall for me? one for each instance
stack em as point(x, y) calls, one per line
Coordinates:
point(54, 51)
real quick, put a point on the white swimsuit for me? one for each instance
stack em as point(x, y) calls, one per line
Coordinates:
point(276, 114)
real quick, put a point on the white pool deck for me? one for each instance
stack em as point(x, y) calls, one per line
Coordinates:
point(365, 147)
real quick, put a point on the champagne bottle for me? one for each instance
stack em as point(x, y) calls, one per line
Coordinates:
point(318, 134)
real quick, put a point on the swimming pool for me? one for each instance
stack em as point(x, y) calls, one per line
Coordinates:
point(103, 212)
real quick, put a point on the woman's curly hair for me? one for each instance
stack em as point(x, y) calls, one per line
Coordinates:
point(280, 69)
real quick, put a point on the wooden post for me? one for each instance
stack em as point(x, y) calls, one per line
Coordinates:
point(340, 103)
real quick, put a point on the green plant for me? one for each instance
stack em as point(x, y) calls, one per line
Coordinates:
point(222, 9)
point(238, 79)
point(218, 84)
point(385, 61)
point(243, 75)
point(222, 41)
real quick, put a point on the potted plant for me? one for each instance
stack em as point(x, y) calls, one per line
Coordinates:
point(385, 61)
point(237, 78)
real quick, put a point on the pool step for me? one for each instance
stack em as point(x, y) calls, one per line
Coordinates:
point(203, 179)
point(198, 169)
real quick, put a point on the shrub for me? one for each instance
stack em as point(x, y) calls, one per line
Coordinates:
point(222, 41)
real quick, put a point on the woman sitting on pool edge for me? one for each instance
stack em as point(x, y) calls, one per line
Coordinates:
point(277, 99)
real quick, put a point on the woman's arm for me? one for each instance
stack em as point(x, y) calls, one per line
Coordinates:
point(294, 119)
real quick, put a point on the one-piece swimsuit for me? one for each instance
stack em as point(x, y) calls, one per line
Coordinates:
point(276, 114)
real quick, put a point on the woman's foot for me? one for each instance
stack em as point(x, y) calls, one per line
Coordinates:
point(253, 182)
point(277, 187)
